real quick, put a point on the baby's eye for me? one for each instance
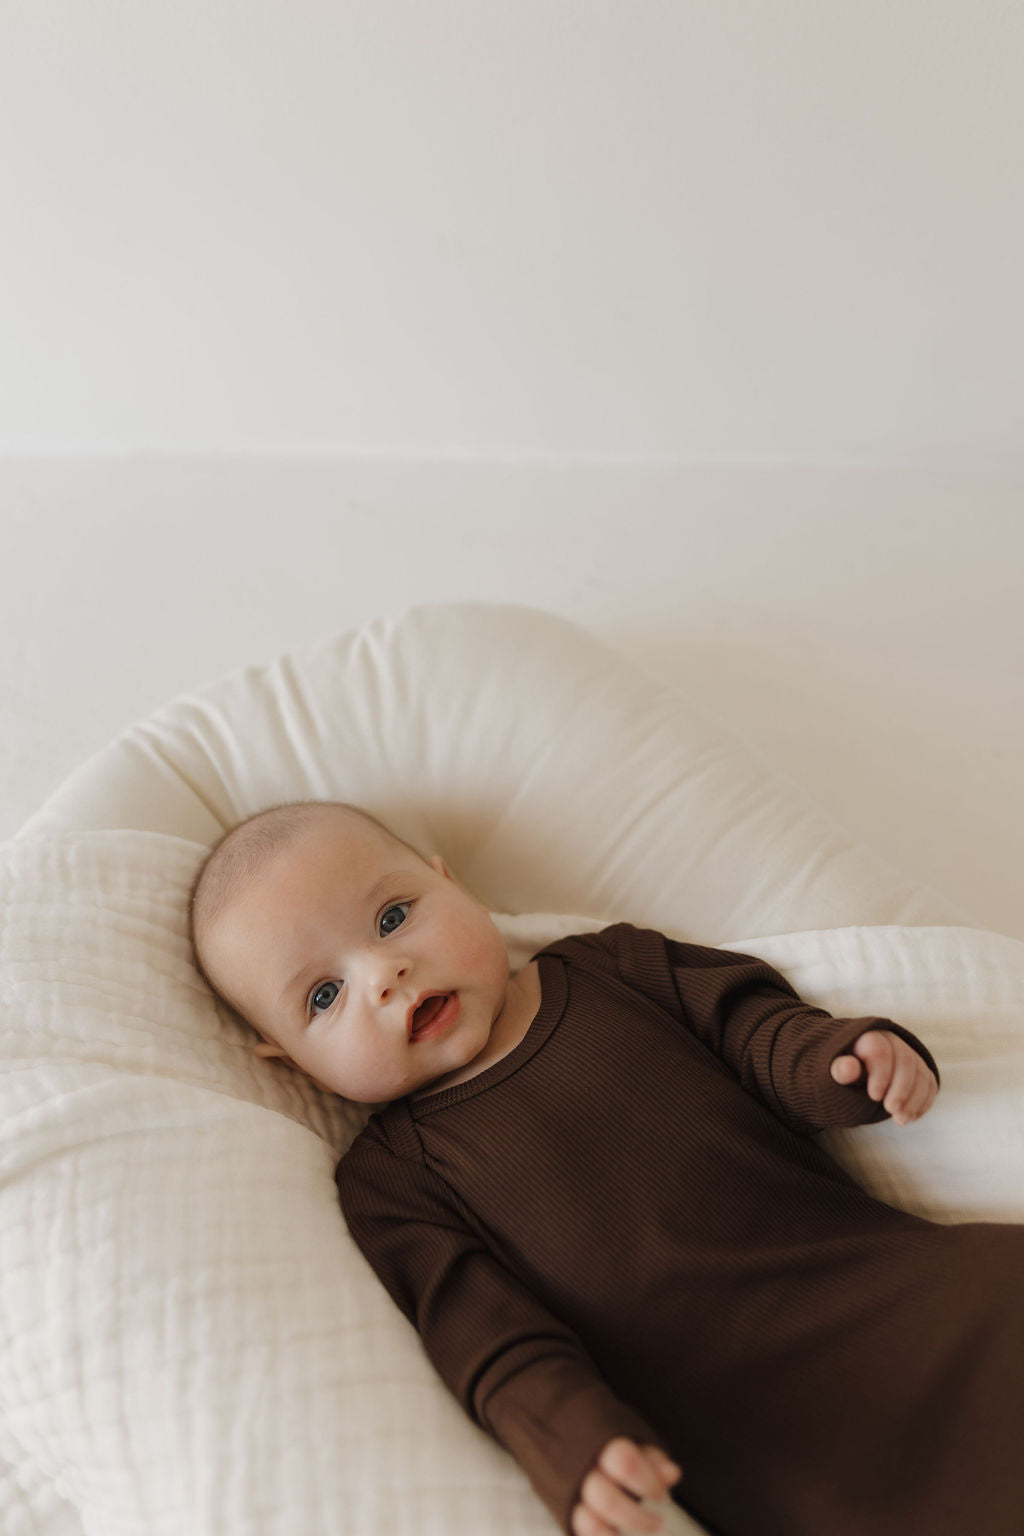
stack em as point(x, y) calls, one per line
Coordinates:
point(386, 925)
point(323, 997)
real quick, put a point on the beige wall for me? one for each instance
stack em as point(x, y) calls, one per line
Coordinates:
point(699, 323)
point(734, 231)
point(862, 630)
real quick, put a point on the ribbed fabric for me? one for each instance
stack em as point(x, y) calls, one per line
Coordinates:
point(624, 1227)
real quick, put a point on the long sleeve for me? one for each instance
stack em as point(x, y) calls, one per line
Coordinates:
point(518, 1372)
point(746, 1012)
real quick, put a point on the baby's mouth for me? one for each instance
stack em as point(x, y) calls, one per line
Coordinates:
point(428, 1010)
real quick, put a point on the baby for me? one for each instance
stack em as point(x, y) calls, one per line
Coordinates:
point(594, 1191)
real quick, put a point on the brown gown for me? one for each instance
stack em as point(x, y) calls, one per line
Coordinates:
point(625, 1227)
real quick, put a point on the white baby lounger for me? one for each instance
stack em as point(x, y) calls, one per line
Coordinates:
point(191, 1345)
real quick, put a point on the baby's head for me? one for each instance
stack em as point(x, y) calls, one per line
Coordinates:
point(334, 939)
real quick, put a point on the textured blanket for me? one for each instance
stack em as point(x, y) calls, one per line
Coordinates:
point(190, 1345)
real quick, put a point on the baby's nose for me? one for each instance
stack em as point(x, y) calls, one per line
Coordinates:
point(387, 978)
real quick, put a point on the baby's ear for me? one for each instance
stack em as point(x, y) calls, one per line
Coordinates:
point(266, 1049)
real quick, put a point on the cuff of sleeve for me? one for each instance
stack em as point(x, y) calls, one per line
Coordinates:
point(556, 1419)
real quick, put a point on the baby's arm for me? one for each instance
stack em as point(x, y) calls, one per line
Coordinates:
point(517, 1370)
point(897, 1077)
point(781, 1048)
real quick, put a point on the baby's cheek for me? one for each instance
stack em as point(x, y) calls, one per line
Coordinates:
point(490, 954)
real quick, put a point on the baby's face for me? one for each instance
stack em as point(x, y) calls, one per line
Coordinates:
point(337, 941)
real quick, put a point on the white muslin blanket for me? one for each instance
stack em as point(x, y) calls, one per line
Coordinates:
point(191, 1345)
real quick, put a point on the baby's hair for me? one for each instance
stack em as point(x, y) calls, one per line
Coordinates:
point(237, 857)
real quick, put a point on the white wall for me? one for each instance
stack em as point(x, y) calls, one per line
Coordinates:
point(860, 630)
point(697, 322)
point(726, 231)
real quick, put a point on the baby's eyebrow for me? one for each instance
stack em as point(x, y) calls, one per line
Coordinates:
point(379, 886)
point(289, 990)
point(376, 890)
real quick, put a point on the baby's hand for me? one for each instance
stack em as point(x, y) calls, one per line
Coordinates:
point(896, 1074)
point(623, 1469)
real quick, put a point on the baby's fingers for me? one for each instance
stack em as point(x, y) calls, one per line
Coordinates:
point(870, 1057)
point(918, 1097)
point(875, 1049)
point(896, 1075)
point(922, 1096)
point(846, 1070)
point(644, 1470)
point(907, 1073)
point(605, 1507)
